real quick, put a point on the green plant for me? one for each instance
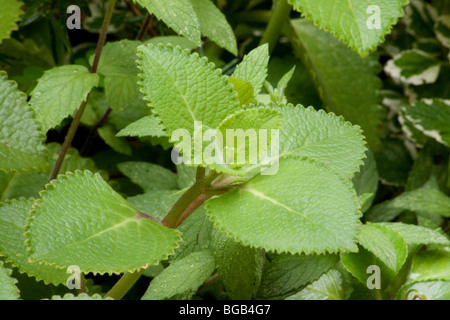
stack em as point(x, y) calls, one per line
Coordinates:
point(191, 172)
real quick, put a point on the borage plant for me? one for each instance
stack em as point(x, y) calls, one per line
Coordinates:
point(255, 195)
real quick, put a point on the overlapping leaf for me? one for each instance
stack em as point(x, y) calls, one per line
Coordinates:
point(59, 92)
point(348, 85)
point(8, 289)
point(9, 14)
point(268, 211)
point(117, 237)
point(362, 24)
point(21, 141)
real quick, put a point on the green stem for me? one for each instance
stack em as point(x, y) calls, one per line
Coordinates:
point(279, 17)
point(125, 283)
point(77, 119)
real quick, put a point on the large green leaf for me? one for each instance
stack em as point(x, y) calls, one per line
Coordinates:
point(286, 274)
point(9, 14)
point(431, 265)
point(177, 14)
point(59, 92)
point(182, 278)
point(8, 289)
point(366, 181)
point(239, 267)
point(362, 24)
point(321, 136)
point(253, 68)
point(156, 203)
point(13, 218)
point(189, 88)
point(268, 211)
point(81, 221)
point(348, 85)
point(148, 126)
point(21, 141)
point(430, 290)
point(214, 25)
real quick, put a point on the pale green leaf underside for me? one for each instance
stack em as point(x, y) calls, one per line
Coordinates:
point(354, 21)
point(80, 220)
point(9, 14)
point(59, 92)
point(321, 136)
point(348, 85)
point(304, 207)
point(214, 25)
point(149, 176)
point(8, 289)
point(386, 244)
point(148, 126)
point(253, 68)
point(13, 217)
point(330, 286)
point(189, 88)
point(21, 141)
point(177, 14)
point(182, 278)
point(432, 290)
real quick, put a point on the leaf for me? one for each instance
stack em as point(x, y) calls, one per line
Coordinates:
point(430, 290)
point(156, 203)
point(264, 213)
point(214, 25)
point(442, 29)
point(182, 278)
point(348, 85)
point(144, 127)
point(244, 90)
point(361, 24)
point(8, 289)
point(59, 92)
point(416, 235)
point(286, 274)
point(386, 244)
point(366, 180)
point(245, 137)
point(117, 238)
point(177, 14)
point(423, 201)
point(10, 13)
point(149, 176)
point(118, 64)
point(190, 88)
point(196, 234)
point(330, 286)
point(431, 117)
point(381, 247)
point(24, 151)
point(413, 67)
point(108, 134)
point(253, 68)
point(321, 136)
point(13, 218)
point(431, 265)
point(239, 267)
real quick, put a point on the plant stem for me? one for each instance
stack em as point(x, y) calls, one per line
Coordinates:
point(76, 121)
point(279, 17)
point(125, 283)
